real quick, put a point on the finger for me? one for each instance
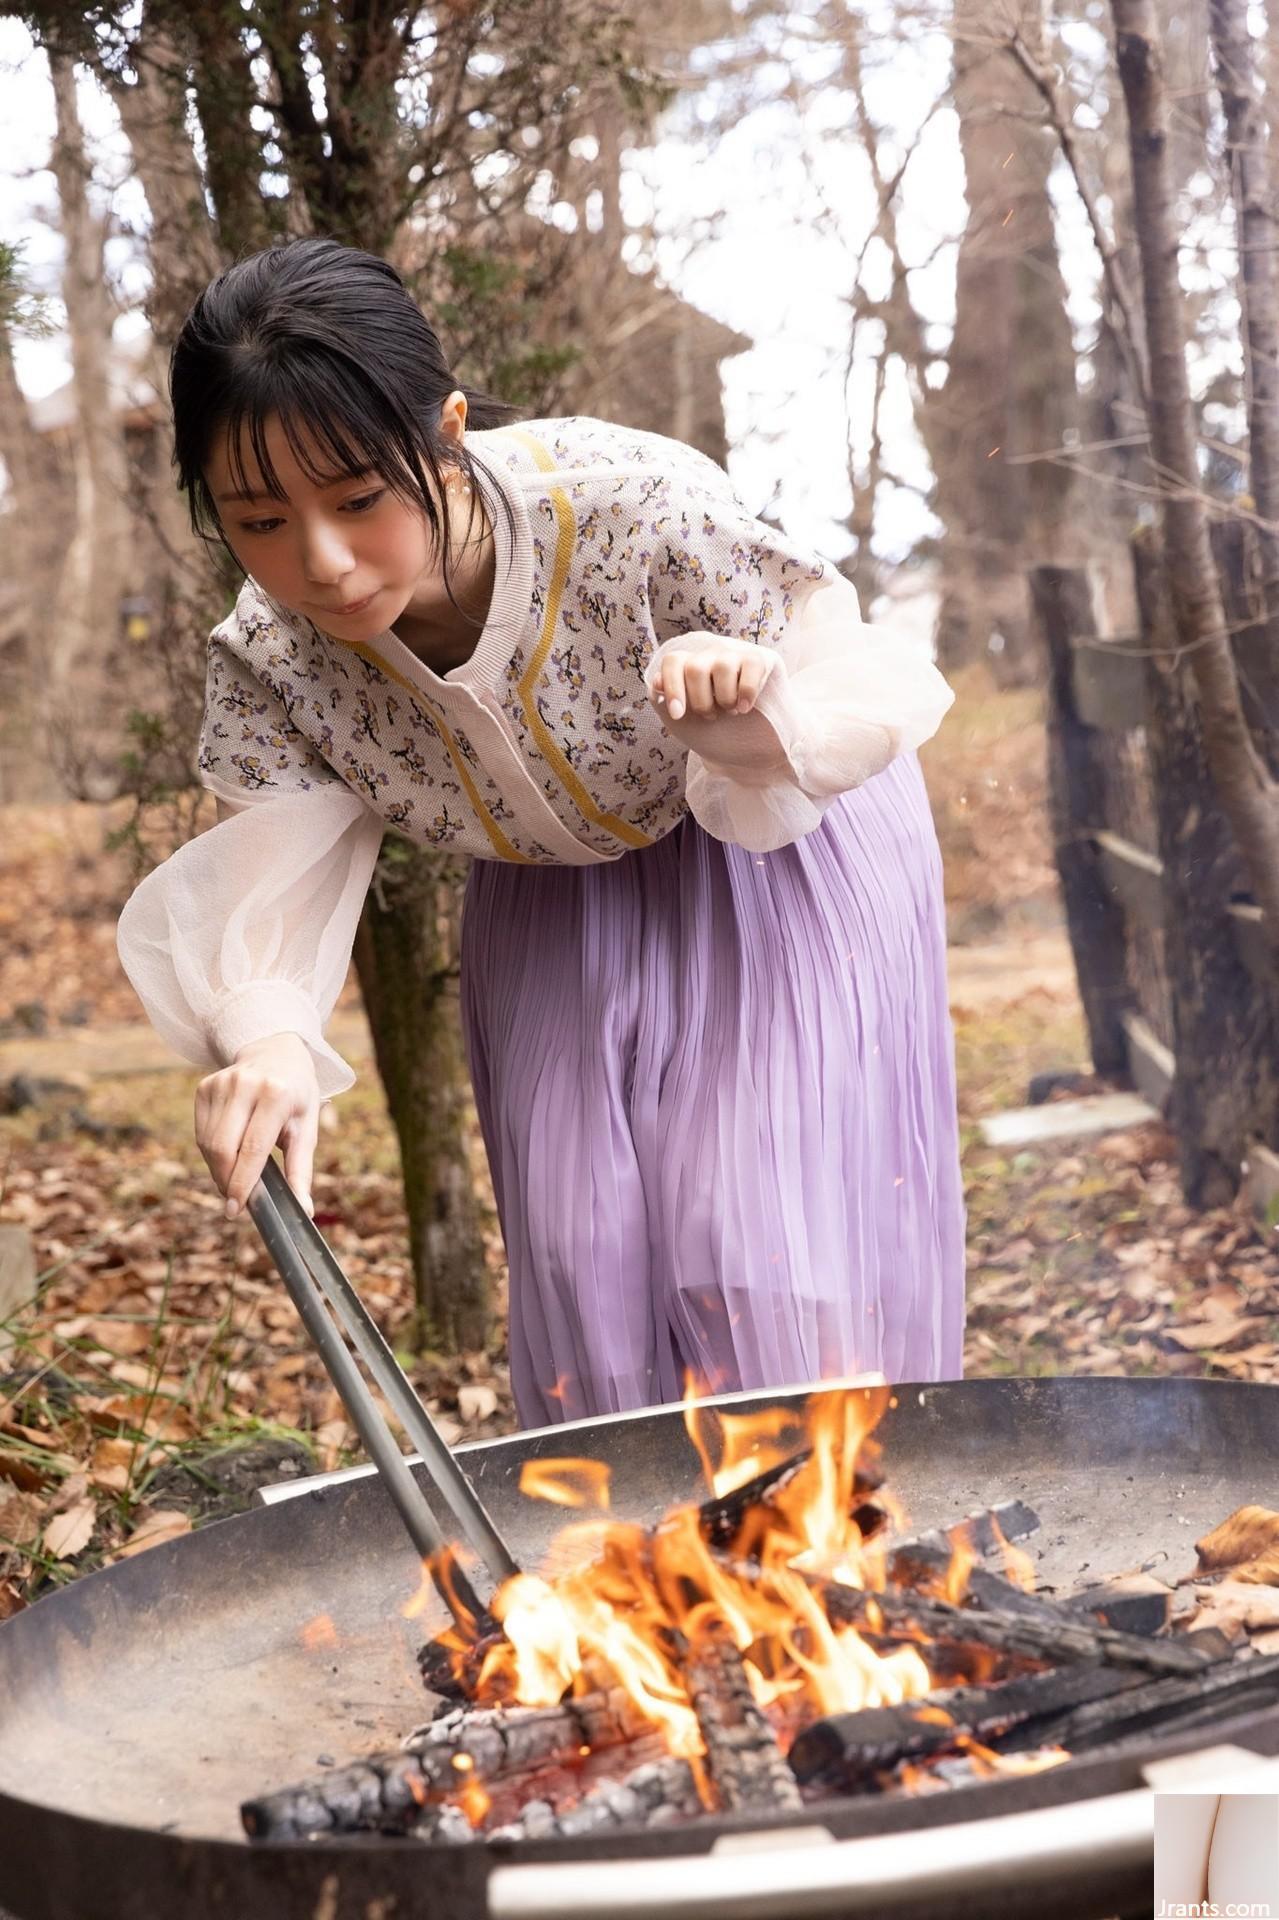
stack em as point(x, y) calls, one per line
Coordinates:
point(754, 674)
point(673, 679)
point(219, 1131)
point(725, 676)
point(269, 1117)
point(299, 1138)
point(699, 687)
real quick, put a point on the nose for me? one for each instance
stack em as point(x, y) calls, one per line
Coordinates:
point(326, 555)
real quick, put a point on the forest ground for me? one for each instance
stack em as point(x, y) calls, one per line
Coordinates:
point(161, 1346)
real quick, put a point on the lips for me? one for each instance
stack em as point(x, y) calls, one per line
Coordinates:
point(356, 606)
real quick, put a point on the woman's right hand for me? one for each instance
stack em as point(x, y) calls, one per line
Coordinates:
point(269, 1094)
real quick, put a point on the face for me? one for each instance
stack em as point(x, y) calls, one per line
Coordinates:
point(349, 554)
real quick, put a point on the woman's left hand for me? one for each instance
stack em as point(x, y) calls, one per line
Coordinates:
point(725, 678)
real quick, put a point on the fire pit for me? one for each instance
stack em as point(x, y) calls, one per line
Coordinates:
point(145, 1704)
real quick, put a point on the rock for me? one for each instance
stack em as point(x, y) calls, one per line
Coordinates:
point(1044, 1086)
point(236, 1473)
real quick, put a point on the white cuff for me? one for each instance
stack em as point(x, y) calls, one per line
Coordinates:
point(260, 1008)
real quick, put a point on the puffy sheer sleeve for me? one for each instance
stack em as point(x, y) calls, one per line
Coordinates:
point(247, 930)
point(841, 700)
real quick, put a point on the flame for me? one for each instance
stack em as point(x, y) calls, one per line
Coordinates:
point(986, 1761)
point(625, 1602)
point(474, 1801)
point(567, 1483)
point(963, 1559)
point(1018, 1565)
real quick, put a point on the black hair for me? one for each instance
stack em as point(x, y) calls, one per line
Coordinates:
point(329, 341)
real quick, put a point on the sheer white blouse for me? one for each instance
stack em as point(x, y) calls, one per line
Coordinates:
point(247, 930)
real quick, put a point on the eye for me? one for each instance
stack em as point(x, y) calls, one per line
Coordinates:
point(259, 526)
point(363, 501)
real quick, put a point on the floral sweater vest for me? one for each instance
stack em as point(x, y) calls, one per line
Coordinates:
point(544, 746)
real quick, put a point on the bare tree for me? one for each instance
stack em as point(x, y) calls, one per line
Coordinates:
point(1246, 789)
point(85, 617)
point(1257, 232)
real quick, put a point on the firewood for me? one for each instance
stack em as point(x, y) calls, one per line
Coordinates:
point(890, 1617)
point(851, 1749)
point(720, 1518)
point(923, 1564)
point(1225, 1687)
point(653, 1795)
point(384, 1792)
point(1139, 1604)
point(745, 1763)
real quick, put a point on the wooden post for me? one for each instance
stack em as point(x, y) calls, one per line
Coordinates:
point(1226, 1085)
point(1062, 603)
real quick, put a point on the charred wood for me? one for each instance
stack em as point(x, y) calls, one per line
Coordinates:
point(653, 1795)
point(721, 1519)
point(1057, 1640)
point(745, 1762)
point(851, 1749)
point(1155, 1705)
point(384, 1792)
point(1131, 1610)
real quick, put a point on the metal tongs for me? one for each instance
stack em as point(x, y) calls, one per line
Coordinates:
point(329, 1308)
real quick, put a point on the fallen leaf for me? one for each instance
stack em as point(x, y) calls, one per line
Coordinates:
point(476, 1402)
point(1247, 1542)
point(21, 1518)
point(73, 1489)
point(1238, 1603)
point(21, 1472)
point(154, 1531)
point(159, 1419)
point(1219, 1331)
point(68, 1533)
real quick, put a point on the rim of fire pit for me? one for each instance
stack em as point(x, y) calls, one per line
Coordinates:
point(64, 1863)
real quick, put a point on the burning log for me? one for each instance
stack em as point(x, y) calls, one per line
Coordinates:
point(1228, 1686)
point(924, 1564)
point(1142, 1606)
point(722, 1518)
point(744, 1760)
point(654, 1795)
point(851, 1749)
point(385, 1792)
point(1056, 1639)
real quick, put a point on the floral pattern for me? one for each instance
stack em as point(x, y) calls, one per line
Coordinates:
point(660, 546)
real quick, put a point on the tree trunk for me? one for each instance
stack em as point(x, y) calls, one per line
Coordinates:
point(1256, 234)
point(406, 955)
point(153, 109)
point(1010, 389)
point(85, 622)
point(1244, 786)
point(1226, 1087)
point(29, 564)
point(1062, 599)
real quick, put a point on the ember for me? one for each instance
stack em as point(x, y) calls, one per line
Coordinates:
point(782, 1641)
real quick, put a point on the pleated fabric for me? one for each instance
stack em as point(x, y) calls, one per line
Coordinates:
point(717, 1093)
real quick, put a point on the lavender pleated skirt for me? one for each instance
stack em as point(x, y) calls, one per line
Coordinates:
point(717, 1092)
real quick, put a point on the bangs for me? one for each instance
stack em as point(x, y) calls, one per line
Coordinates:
point(336, 423)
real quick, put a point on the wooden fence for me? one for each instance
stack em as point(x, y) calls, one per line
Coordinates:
point(1176, 978)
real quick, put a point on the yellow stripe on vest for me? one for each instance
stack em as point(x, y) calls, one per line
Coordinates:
point(501, 844)
point(549, 747)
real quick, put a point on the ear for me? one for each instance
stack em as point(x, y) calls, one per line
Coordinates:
point(453, 416)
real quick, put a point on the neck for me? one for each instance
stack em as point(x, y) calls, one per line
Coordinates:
point(441, 634)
